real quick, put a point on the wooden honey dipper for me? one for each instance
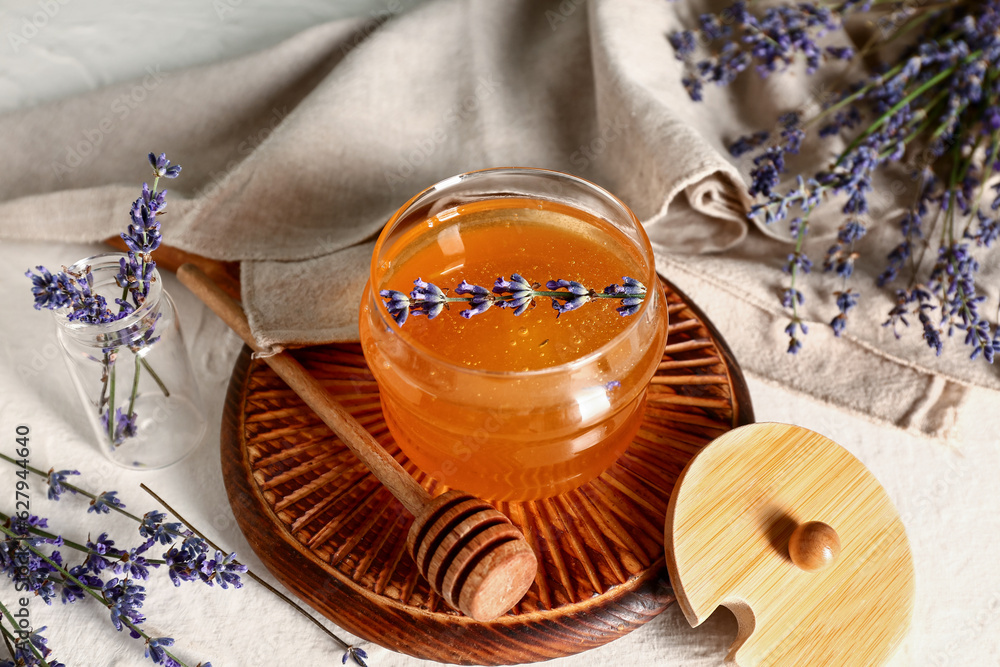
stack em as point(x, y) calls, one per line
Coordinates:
point(471, 554)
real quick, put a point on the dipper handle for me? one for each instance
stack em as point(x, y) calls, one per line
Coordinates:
point(470, 554)
point(385, 468)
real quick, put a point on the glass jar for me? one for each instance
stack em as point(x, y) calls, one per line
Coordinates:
point(133, 375)
point(511, 434)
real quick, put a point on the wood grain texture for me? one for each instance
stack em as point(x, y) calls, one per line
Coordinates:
point(224, 274)
point(471, 554)
point(333, 535)
point(728, 532)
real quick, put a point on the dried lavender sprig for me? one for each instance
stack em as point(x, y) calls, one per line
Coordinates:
point(517, 294)
point(74, 291)
point(59, 540)
point(135, 629)
point(960, 56)
point(103, 503)
point(70, 487)
point(40, 653)
point(355, 653)
point(52, 537)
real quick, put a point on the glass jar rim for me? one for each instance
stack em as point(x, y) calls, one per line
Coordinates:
point(87, 330)
point(650, 280)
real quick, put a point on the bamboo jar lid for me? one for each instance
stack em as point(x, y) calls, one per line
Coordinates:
point(799, 540)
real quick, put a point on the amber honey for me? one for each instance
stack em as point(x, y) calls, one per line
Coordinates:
point(513, 407)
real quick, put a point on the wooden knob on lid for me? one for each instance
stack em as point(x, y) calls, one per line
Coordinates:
point(727, 544)
point(813, 546)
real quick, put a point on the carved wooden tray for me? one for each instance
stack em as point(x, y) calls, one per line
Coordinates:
point(332, 534)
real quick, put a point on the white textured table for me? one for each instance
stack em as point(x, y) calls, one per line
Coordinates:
point(947, 493)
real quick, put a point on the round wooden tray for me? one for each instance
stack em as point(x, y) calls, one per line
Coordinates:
point(332, 534)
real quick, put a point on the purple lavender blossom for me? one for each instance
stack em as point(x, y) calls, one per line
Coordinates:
point(840, 52)
point(356, 654)
point(24, 656)
point(103, 554)
point(161, 166)
point(938, 99)
point(683, 42)
point(125, 425)
point(521, 291)
point(124, 599)
point(427, 299)
point(747, 143)
point(794, 342)
point(156, 652)
point(397, 303)
point(154, 528)
point(517, 294)
point(71, 591)
point(184, 562)
point(56, 480)
point(770, 42)
point(480, 298)
point(634, 292)
point(133, 564)
point(51, 292)
point(846, 301)
point(224, 569)
point(103, 503)
point(577, 295)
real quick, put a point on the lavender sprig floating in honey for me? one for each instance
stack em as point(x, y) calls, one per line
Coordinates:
point(516, 294)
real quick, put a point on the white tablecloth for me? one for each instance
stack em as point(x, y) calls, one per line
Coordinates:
point(946, 492)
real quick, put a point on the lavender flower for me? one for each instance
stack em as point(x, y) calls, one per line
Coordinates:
point(51, 292)
point(156, 652)
point(161, 166)
point(71, 591)
point(770, 42)
point(154, 528)
point(184, 562)
point(24, 656)
point(796, 326)
point(48, 576)
point(479, 301)
point(427, 299)
point(846, 300)
point(938, 98)
point(358, 655)
point(124, 600)
point(125, 426)
point(397, 303)
point(103, 503)
point(520, 290)
point(748, 143)
point(74, 292)
point(102, 554)
point(133, 564)
point(517, 294)
point(577, 295)
point(56, 480)
point(223, 569)
point(634, 293)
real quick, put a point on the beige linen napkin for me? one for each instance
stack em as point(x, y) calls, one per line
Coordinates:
point(295, 157)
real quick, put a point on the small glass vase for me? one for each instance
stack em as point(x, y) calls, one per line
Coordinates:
point(133, 375)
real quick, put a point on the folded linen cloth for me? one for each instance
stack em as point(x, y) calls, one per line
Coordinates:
point(296, 156)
